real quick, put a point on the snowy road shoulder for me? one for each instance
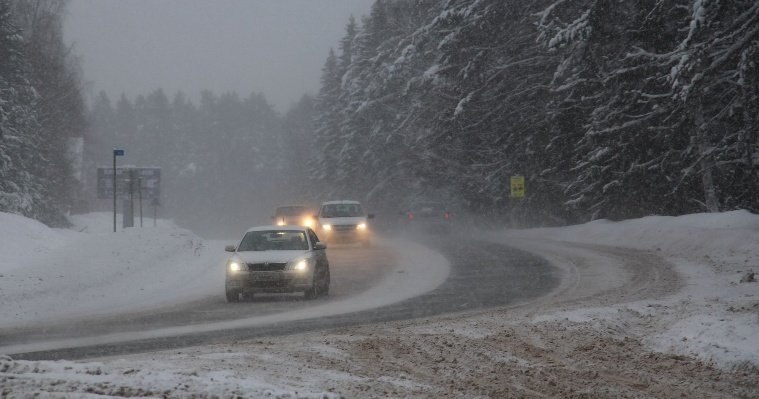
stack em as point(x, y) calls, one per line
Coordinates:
point(713, 316)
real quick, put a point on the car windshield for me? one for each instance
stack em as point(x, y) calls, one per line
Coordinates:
point(291, 211)
point(341, 210)
point(274, 240)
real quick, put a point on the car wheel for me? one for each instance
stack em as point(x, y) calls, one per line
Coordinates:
point(313, 291)
point(325, 286)
point(233, 296)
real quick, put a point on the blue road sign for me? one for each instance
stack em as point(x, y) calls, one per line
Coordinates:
point(118, 153)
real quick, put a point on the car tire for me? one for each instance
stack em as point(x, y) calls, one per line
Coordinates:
point(233, 296)
point(325, 288)
point(310, 293)
point(313, 291)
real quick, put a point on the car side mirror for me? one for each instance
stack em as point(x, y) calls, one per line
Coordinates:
point(370, 216)
point(319, 246)
point(230, 248)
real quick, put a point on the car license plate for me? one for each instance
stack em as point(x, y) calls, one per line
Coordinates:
point(265, 276)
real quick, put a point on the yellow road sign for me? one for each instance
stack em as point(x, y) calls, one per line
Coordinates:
point(517, 186)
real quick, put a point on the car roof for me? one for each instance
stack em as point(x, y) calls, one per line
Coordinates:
point(286, 228)
point(341, 202)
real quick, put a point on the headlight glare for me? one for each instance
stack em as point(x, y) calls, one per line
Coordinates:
point(327, 226)
point(235, 266)
point(308, 222)
point(299, 265)
point(361, 226)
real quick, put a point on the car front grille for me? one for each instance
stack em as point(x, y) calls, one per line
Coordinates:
point(266, 267)
point(344, 227)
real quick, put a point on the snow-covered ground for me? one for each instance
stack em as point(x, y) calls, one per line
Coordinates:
point(609, 331)
point(714, 317)
point(48, 275)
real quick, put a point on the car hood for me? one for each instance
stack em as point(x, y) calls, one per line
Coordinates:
point(346, 220)
point(270, 256)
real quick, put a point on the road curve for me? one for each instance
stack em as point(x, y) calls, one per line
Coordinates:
point(482, 275)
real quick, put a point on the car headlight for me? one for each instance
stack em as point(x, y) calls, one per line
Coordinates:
point(299, 265)
point(361, 226)
point(234, 266)
point(327, 226)
point(281, 223)
point(308, 222)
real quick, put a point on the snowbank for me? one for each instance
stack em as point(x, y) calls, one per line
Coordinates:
point(48, 274)
point(22, 238)
point(715, 317)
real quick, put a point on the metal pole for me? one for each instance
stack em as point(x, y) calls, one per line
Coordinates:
point(139, 191)
point(131, 194)
point(114, 191)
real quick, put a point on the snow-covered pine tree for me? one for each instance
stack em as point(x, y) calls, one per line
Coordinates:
point(613, 96)
point(713, 76)
point(322, 166)
point(22, 187)
point(54, 72)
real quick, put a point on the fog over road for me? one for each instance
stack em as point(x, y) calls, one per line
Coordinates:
point(481, 275)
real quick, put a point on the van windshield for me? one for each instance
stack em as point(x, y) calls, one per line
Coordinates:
point(341, 210)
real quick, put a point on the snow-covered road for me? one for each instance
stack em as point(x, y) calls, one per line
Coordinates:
point(145, 283)
point(646, 308)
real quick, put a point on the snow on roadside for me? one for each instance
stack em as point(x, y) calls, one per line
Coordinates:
point(56, 274)
point(715, 317)
point(23, 238)
point(149, 379)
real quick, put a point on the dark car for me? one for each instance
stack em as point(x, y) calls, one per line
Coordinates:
point(294, 215)
point(427, 217)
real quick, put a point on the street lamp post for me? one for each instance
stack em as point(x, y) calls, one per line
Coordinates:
point(116, 153)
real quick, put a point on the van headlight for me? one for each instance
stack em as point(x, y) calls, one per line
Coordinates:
point(361, 226)
point(327, 227)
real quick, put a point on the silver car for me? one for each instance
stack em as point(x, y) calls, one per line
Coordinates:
point(277, 259)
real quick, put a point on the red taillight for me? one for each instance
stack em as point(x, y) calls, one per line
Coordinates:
point(446, 216)
point(410, 216)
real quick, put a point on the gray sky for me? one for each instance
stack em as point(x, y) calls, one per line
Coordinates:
point(276, 47)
